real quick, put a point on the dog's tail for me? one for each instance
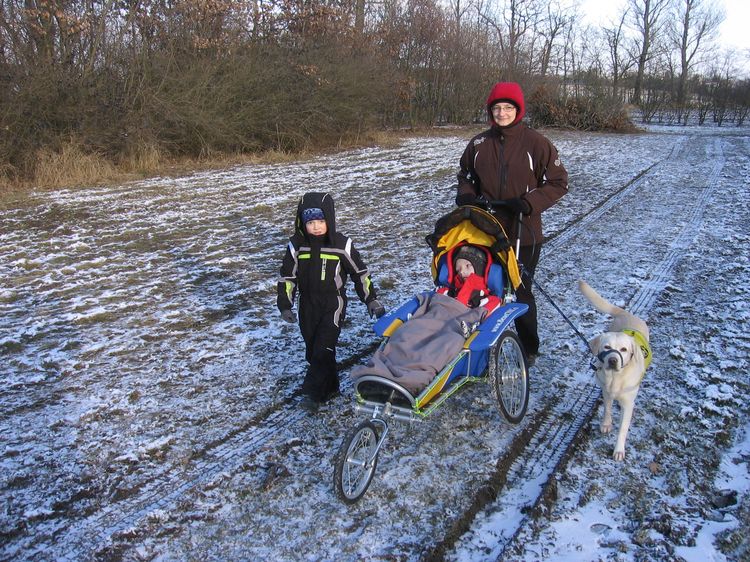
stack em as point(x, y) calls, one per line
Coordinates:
point(599, 302)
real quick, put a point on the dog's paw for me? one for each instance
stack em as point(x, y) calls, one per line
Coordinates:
point(618, 455)
point(605, 427)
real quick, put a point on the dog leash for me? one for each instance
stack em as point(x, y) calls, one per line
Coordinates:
point(593, 364)
point(554, 304)
point(549, 298)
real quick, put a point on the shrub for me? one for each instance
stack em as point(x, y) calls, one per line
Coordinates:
point(587, 112)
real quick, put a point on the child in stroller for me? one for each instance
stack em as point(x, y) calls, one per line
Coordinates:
point(442, 321)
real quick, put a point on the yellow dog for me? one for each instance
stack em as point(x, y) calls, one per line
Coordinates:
point(621, 356)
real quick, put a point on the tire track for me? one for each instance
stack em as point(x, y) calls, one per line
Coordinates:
point(526, 478)
point(549, 443)
point(563, 236)
point(164, 490)
point(660, 278)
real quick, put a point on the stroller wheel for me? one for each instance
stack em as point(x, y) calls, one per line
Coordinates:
point(356, 462)
point(510, 377)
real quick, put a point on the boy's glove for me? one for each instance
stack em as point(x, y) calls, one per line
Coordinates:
point(375, 309)
point(472, 291)
point(288, 316)
point(476, 298)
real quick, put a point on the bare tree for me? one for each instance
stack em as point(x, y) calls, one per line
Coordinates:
point(551, 29)
point(512, 24)
point(741, 98)
point(573, 56)
point(722, 85)
point(695, 22)
point(359, 16)
point(620, 51)
point(458, 10)
point(646, 17)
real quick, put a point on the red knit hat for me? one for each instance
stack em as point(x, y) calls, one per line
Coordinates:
point(509, 92)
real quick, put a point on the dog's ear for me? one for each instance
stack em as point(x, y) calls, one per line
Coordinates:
point(594, 344)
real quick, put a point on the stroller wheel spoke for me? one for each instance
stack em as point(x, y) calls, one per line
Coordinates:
point(356, 462)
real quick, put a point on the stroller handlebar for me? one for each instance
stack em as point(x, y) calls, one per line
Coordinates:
point(491, 205)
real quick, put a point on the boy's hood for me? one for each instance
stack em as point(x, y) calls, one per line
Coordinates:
point(323, 201)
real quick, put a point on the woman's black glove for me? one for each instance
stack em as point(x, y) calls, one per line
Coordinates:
point(288, 316)
point(518, 205)
point(465, 199)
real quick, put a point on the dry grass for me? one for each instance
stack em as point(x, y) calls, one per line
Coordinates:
point(145, 160)
point(72, 166)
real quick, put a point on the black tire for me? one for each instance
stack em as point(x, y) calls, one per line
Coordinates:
point(354, 471)
point(509, 376)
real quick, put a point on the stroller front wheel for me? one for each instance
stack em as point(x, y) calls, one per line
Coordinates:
point(509, 376)
point(356, 462)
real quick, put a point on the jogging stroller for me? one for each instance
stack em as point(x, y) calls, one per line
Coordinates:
point(490, 352)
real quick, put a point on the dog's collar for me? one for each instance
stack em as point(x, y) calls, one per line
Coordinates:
point(642, 342)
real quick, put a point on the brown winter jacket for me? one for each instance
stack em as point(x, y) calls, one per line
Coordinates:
point(515, 161)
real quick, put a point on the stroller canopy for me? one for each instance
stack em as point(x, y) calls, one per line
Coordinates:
point(472, 225)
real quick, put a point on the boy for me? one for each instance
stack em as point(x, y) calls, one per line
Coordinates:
point(317, 262)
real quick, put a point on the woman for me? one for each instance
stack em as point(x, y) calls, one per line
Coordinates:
point(512, 163)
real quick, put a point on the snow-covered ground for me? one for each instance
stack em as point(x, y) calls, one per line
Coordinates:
point(149, 407)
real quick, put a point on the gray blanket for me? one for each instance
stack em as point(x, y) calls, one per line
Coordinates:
point(420, 348)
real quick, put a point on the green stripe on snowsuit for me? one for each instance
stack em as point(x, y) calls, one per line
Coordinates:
point(289, 290)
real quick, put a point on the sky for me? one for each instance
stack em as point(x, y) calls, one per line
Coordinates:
point(734, 29)
point(734, 33)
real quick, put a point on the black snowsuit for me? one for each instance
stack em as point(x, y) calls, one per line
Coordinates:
point(315, 268)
